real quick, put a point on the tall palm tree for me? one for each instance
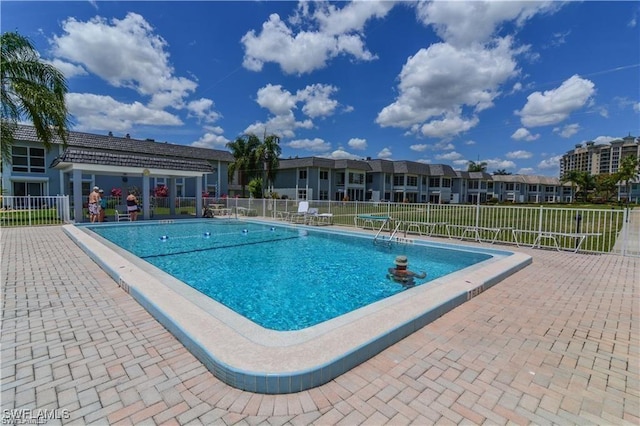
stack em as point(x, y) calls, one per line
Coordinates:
point(268, 153)
point(32, 90)
point(572, 176)
point(477, 167)
point(501, 172)
point(628, 172)
point(244, 150)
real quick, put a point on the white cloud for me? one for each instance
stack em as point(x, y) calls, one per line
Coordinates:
point(276, 99)
point(419, 147)
point(92, 112)
point(496, 163)
point(568, 130)
point(331, 32)
point(437, 82)
point(357, 143)
point(68, 69)
point(519, 155)
point(554, 106)
point(125, 53)
point(526, 171)
point(202, 109)
point(316, 145)
point(466, 23)
point(282, 103)
point(385, 153)
point(470, 142)
point(316, 99)
point(341, 154)
point(449, 156)
point(550, 163)
point(212, 139)
point(524, 134)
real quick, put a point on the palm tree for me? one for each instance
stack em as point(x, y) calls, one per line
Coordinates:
point(32, 90)
point(244, 150)
point(477, 167)
point(572, 176)
point(268, 153)
point(501, 172)
point(628, 172)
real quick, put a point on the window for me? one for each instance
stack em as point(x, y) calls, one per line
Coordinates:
point(28, 188)
point(489, 186)
point(434, 182)
point(550, 189)
point(533, 188)
point(412, 180)
point(357, 178)
point(323, 194)
point(509, 186)
point(474, 184)
point(302, 174)
point(302, 194)
point(27, 159)
point(446, 183)
point(398, 180)
point(324, 175)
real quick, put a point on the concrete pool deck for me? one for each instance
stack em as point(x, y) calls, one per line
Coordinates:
point(555, 343)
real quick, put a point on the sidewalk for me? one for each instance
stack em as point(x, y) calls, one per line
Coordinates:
point(629, 240)
point(558, 342)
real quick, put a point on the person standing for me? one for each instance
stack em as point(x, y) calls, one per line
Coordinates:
point(103, 205)
point(94, 206)
point(132, 206)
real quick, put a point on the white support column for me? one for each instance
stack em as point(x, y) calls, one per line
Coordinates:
point(173, 190)
point(77, 196)
point(199, 196)
point(146, 199)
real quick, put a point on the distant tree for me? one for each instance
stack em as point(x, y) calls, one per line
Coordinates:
point(32, 90)
point(628, 172)
point(255, 187)
point(605, 185)
point(477, 167)
point(268, 153)
point(243, 150)
point(581, 183)
point(501, 172)
point(572, 176)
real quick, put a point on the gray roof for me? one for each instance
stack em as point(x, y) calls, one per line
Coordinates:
point(128, 145)
point(528, 179)
point(114, 158)
point(473, 175)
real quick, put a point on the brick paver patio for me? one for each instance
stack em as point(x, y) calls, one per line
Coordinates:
point(557, 343)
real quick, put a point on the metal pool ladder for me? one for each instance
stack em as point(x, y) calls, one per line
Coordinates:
point(393, 234)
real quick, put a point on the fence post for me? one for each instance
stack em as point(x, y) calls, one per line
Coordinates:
point(29, 208)
point(540, 220)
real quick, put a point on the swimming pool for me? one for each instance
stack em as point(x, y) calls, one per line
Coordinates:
point(250, 357)
point(281, 278)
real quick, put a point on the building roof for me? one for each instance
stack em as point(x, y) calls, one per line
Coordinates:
point(530, 180)
point(159, 150)
point(115, 158)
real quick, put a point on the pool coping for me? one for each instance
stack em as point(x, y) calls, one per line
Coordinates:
point(249, 357)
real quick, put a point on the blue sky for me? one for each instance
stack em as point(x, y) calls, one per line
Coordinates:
point(513, 84)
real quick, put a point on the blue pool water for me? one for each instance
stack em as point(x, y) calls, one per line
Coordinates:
point(281, 278)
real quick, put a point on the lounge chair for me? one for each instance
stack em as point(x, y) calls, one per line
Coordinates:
point(122, 213)
point(301, 214)
point(315, 218)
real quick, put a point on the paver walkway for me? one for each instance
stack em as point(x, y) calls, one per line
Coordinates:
point(557, 343)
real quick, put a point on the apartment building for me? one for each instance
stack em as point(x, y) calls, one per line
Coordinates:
point(110, 162)
point(599, 158)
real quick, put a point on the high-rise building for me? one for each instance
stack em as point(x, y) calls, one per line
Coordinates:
point(600, 158)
